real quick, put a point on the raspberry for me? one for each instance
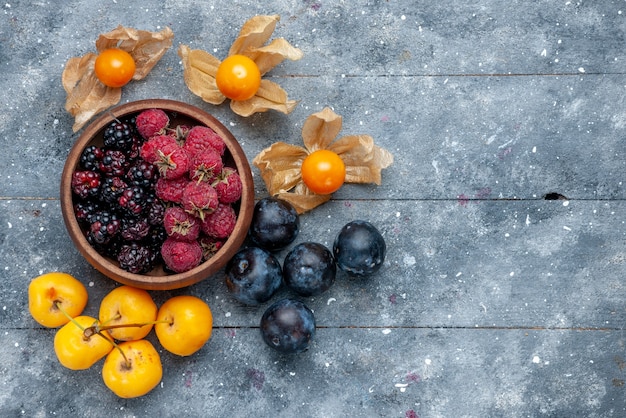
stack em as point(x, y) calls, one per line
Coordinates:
point(113, 163)
point(179, 133)
point(173, 162)
point(221, 222)
point(201, 137)
point(151, 122)
point(199, 199)
point(90, 157)
point(135, 258)
point(180, 225)
point(118, 135)
point(171, 190)
point(85, 183)
point(210, 246)
point(181, 256)
point(228, 185)
point(206, 164)
point(152, 148)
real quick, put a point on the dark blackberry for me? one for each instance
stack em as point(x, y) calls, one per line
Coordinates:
point(142, 174)
point(135, 258)
point(134, 229)
point(156, 238)
point(133, 200)
point(113, 163)
point(118, 136)
point(91, 157)
point(85, 209)
point(156, 210)
point(111, 189)
point(104, 226)
point(86, 183)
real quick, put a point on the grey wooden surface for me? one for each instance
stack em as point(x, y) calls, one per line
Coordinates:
point(495, 298)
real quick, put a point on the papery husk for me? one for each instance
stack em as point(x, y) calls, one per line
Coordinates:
point(254, 33)
point(363, 159)
point(144, 46)
point(303, 202)
point(199, 69)
point(270, 96)
point(320, 129)
point(86, 95)
point(280, 166)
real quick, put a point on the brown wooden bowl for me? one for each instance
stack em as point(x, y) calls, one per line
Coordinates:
point(159, 279)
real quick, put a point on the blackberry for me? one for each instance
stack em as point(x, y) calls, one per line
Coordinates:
point(142, 174)
point(91, 157)
point(134, 229)
point(135, 258)
point(156, 210)
point(133, 200)
point(111, 189)
point(85, 209)
point(113, 163)
point(86, 183)
point(118, 136)
point(104, 226)
point(155, 239)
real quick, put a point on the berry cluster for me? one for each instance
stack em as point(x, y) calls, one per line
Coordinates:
point(155, 193)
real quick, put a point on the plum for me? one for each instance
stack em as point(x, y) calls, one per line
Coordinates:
point(309, 269)
point(359, 248)
point(288, 326)
point(275, 224)
point(253, 275)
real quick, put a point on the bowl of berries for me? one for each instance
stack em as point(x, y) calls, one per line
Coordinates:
point(157, 194)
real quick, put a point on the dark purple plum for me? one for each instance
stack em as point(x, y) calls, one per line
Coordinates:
point(359, 248)
point(253, 275)
point(309, 269)
point(275, 224)
point(288, 326)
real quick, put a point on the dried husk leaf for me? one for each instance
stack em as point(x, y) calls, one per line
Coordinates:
point(86, 95)
point(145, 47)
point(254, 33)
point(363, 159)
point(269, 96)
point(199, 69)
point(269, 56)
point(280, 166)
point(304, 202)
point(320, 129)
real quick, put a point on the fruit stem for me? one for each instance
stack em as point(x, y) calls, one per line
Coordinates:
point(57, 304)
point(97, 328)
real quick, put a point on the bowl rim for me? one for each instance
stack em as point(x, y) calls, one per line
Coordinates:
point(171, 281)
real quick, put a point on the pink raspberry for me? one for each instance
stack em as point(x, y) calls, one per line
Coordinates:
point(151, 122)
point(199, 199)
point(155, 146)
point(205, 165)
point(173, 162)
point(179, 133)
point(201, 137)
point(180, 225)
point(228, 185)
point(171, 190)
point(210, 246)
point(220, 223)
point(181, 256)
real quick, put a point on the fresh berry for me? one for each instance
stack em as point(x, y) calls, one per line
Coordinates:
point(152, 149)
point(134, 229)
point(275, 224)
point(151, 122)
point(142, 173)
point(202, 137)
point(228, 185)
point(309, 269)
point(181, 225)
point(205, 165)
point(114, 163)
point(221, 222)
point(210, 246)
point(173, 162)
point(104, 226)
point(85, 183)
point(111, 189)
point(133, 200)
point(171, 190)
point(156, 210)
point(135, 258)
point(179, 133)
point(85, 209)
point(90, 157)
point(199, 199)
point(359, 248)
point(156, 237)
point(118, 135)
point(181, 256)
point(288, 326)
point(253, 275)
